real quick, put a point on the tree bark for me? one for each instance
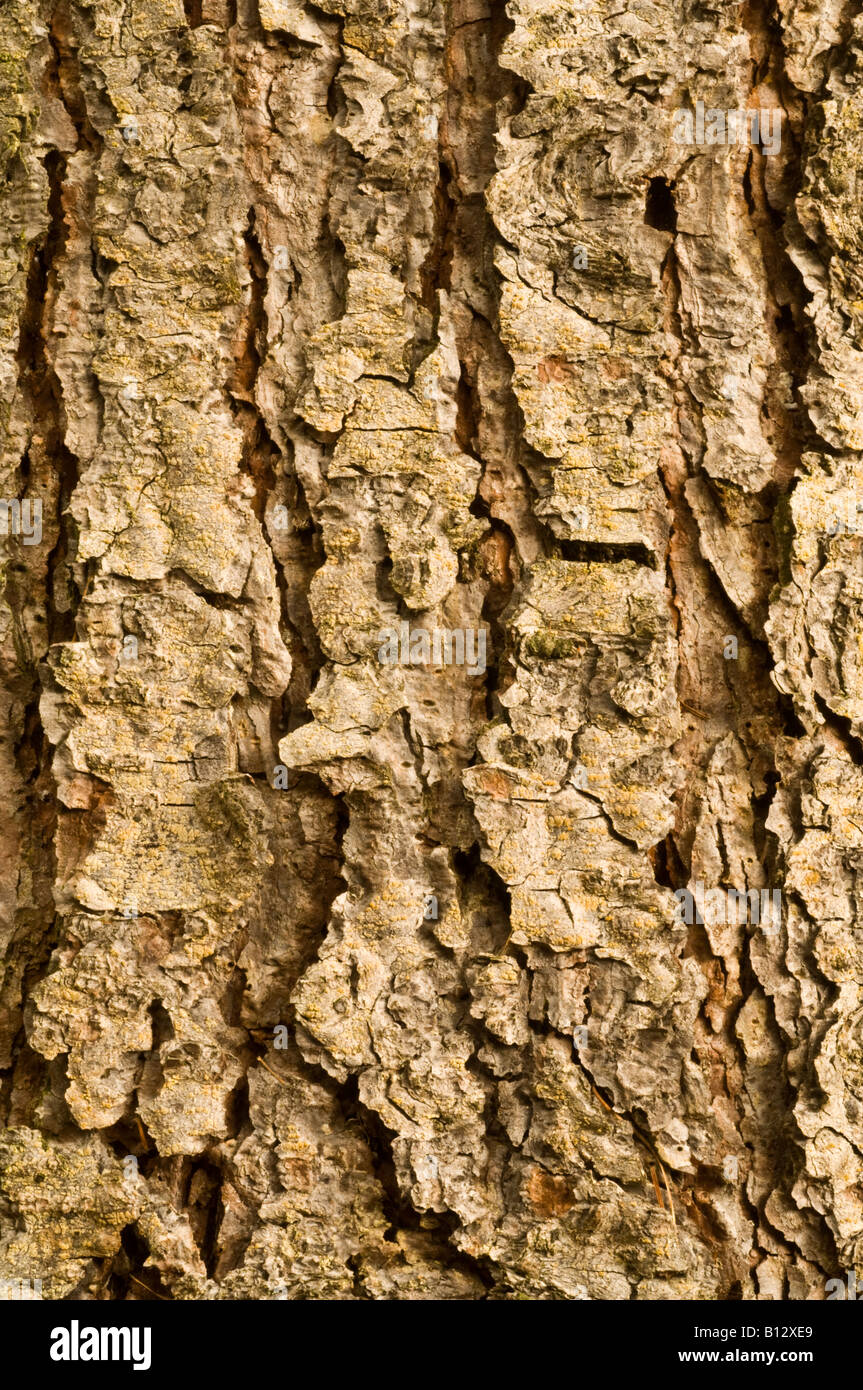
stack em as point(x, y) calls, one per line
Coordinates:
point(336, 974)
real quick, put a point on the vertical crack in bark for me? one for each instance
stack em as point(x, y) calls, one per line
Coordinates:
point(300, 553)
point(38, 588)
point(64, 70)
point(706, 714)
point(491, 431)
point(47, 395)
point(193, 10)
point(259, 451)
point(788, 428)
point(788, 432)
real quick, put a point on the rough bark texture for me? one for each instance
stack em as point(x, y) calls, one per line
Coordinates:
point(320, 318)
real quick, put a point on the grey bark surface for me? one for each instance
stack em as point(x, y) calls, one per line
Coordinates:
point(321, 318)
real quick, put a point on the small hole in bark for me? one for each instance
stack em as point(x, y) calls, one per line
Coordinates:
point(130, 1278)
point(659, 209)
point(665, 864)
point(163, 1028)
point(604, 552)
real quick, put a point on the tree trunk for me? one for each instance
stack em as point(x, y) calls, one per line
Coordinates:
point(432, 616)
